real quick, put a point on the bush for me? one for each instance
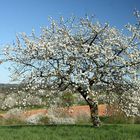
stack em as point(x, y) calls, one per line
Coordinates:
point(67, 99)
point(44, 120)
point(116, 116)
point(34, 119)
point(120, 120)
point(12, 121)
point(59, 116)
point(14, 113)
point(55, 120)
point(137, 120)
point(83, 118)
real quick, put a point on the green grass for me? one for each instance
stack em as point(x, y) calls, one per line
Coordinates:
point(71, 132)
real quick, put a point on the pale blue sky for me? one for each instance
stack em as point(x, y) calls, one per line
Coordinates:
point(24, 15)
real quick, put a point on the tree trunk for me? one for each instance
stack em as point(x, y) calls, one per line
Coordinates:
point(94, 114)
point(93, 106)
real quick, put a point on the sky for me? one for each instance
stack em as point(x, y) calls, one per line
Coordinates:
point(18, 16)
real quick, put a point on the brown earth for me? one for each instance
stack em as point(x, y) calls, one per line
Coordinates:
point(72, 111)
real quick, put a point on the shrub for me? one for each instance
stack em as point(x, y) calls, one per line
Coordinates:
point(137, 120)
point(59, 116)
point(14, 113)
point(60, 120)
point(83, 118)
point(34, 119)
point(12, 121)
point(67, 99)
point(44, 120)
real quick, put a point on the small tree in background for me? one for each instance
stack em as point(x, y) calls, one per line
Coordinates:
point(81, 55)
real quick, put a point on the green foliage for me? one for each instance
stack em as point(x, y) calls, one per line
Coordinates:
point(116, 116)
point(137, 120)
point(120, 120)
point(83, 119)
point(12, 121)
point(82, 102)
point(71, 132)
point(67, 99)
point(44, 120)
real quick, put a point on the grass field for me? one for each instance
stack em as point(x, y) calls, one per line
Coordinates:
point(71, 132)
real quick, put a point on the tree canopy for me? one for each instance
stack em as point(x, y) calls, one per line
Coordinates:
point(81, 55)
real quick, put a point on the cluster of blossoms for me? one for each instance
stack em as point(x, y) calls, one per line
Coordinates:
point(130, 102)
point(21, 99)
point(79, 54)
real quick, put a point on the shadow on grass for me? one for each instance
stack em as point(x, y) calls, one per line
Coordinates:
point(104, 126)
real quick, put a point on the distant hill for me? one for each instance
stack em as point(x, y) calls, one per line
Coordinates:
point(6, 88)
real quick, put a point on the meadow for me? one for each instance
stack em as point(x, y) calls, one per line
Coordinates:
point(71, 132)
